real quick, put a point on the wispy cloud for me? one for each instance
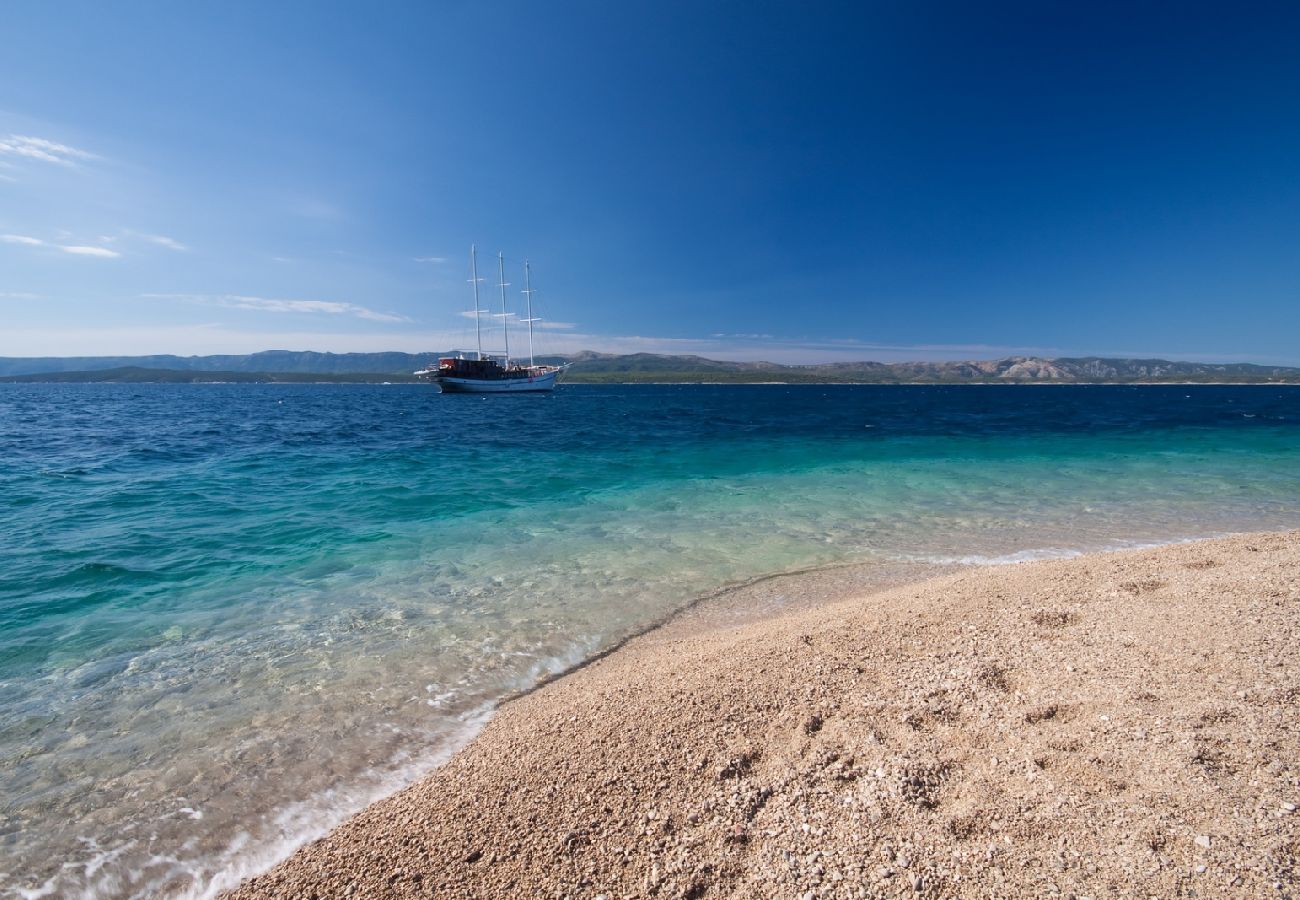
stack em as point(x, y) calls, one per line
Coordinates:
point(281, 305)
point(130, 235)
point(329, 307)
point(19, 295)
point(430, 259)
point(22, 239)
point(28, 147)
point(82, 250)
point(790, 351)
point(75, 249)
point(489, 312)
point(163, 241)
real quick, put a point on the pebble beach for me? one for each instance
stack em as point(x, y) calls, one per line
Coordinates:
point(1122, 724)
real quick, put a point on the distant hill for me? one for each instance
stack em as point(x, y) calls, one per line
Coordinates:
point(142, 375)
point(599, 367)
point(284, 366)
point(305, 361)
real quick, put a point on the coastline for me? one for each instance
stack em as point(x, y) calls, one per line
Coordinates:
point(1078, 725)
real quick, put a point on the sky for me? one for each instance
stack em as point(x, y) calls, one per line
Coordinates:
point(796, 182)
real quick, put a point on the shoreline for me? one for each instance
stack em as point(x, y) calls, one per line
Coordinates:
point(758, 599)
point(638, 773)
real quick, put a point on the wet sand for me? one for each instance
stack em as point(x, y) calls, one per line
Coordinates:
point(1110, 725)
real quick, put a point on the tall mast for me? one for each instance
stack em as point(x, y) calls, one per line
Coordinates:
point(505, 316)
point(528, 292)
point(478, 320)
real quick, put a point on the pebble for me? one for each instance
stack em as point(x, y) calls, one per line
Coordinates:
point(1203, 840)
point(1288, 807)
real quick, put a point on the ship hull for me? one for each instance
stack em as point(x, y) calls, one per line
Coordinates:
point(451, 384)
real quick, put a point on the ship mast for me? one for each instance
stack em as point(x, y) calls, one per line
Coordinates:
point(478, 321)
point(505, 316)
point(528, 292)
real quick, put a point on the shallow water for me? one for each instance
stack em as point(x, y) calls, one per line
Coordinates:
point(231, 614)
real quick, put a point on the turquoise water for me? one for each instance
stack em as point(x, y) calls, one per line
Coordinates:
point(230, 615)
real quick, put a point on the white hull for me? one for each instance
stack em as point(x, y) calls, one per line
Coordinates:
point(451, 384)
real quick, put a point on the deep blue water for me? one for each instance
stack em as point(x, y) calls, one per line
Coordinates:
point(222, 602)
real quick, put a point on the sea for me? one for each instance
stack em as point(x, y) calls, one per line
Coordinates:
point(232, 615)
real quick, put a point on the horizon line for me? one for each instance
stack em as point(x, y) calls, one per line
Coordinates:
point(1203, 360)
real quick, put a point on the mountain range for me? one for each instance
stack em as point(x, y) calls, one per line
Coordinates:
point(587, 366)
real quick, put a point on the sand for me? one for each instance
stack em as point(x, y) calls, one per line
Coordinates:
point(1114, 725)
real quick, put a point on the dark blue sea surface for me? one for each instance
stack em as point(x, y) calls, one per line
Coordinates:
point(235, 610)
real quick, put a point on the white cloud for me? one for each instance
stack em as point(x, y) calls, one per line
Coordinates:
point(330, 307)
point(279, 305)
point(789, 351)
point(76, 249)
point(162, 240)
point(487, 312)
point(81, 250)
point(18, 295)
point(129, 235)
point(430, 259)
point(28, 147)
point(205, 338)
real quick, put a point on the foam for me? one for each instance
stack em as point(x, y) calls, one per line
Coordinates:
point(205, 876)
point(1047, 553)
point(254, 849)
point(245, 858)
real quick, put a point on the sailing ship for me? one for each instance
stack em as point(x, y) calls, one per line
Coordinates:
point(487, 374)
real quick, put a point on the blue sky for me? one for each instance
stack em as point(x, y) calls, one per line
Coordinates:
point(785, 181)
